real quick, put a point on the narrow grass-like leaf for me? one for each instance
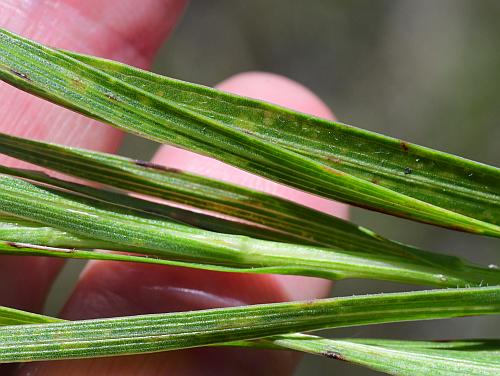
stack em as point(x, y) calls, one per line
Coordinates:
point(405, 358)
point(49, 242)
point(299, 223)
point(27, 249)
point(20, 230)
point(171, 331)
point(438, 178)
point(325, 158)
point(431, 176)
point(20, 237)
point(419, 358)
point(292, 222)
point(161, 211)
point(143, 232)
point(11, 316)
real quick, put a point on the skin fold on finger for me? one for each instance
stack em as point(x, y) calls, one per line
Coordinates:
point(115, 29)
point(109, 289)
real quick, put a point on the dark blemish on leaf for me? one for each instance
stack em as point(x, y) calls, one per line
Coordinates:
point(375, 181)
point(463, 316)
point(333, 355)
point(463, 229)
point(65, 250)
point(408, 170)
point(332, 171)
point(78, 84)
point(404, 146)
point(15, 245)
point(21, 75)
point(157, 166)
point(246, 131)
point(382, 210)
point(152, 257)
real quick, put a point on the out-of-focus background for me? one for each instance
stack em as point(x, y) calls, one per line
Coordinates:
point(426, 71)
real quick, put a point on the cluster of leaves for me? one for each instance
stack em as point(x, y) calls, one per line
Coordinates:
point(230, 228)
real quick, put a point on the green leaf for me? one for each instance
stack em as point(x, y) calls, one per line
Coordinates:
point(405, 358)
point(322, 157)
point(282, 220)
point(291, 221)
point(171, 331)
point(21, 237)
point(412, 358)
point(11, 316)
point(160, 211)
point(142, 232)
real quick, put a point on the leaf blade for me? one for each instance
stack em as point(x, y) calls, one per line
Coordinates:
point(112, 100)
point(142, 232)
point(419, 358)
point(161, 332)
point(405, 358)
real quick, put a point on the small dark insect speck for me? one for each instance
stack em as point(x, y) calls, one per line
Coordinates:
point(333, 355)
point(408, 170)
point(21, 75)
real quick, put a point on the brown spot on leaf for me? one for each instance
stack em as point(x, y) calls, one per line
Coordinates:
point(21, 75)
point(157, 166)
point(333, 355)
point(78, 84)
point(375, 181)
point(463, 228)
point(332, 171)
point(404, 146)
point(385, 211)
point(331, 158)
point(14, 244)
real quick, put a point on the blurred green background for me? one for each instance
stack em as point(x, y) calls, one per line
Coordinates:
point(426, 71)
